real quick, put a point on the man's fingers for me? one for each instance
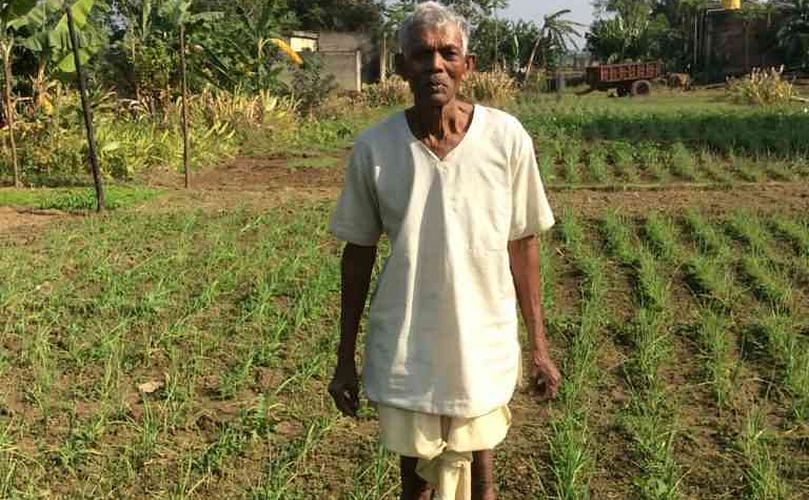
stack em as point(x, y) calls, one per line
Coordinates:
point(547, 388)
point(346, 399)
point(345, 405)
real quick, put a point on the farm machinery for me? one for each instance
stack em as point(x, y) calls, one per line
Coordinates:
point(633, 79)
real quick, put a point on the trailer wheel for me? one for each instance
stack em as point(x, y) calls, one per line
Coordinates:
point(641, 88)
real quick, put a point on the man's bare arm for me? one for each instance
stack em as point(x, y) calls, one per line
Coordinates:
point(524, 261)
point(356, 267)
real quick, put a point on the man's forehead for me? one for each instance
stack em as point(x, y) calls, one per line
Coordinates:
point(448, 34)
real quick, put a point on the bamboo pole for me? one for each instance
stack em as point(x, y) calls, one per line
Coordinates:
point(87, 111)
point(8, 104)
point(185, 106)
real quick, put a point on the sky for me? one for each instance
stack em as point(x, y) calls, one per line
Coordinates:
point(581, 10)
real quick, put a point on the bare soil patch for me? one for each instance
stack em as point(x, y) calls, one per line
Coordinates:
point(252, 174)
point(272, 182)
point(786, 198)
point(18, 222)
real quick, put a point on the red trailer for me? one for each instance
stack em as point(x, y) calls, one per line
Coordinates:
point(628, 79)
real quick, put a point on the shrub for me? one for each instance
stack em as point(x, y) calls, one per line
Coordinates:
point(495, 87)
point(310, 86)
point(761, 87)
point(394, 91)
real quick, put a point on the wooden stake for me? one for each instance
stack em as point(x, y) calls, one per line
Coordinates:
point(88, 115)
point(185, 105)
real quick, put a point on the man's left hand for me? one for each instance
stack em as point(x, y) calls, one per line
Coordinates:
point(545, 375)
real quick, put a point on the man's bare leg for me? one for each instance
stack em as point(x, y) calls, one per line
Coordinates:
point(483, 475)
point(413, 486)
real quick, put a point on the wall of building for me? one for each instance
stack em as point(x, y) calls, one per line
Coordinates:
point(730, 47)
point(352, 58)
point(334, 45)
point(346, 67)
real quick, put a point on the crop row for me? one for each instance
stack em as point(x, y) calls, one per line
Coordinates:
point(570, 162)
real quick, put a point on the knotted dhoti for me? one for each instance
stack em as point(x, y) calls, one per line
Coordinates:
point(443, 445)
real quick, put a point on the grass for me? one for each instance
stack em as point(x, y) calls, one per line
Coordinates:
point(763, 478)
point(196, 302)
point(597, 166)
point(796, 233)
point(778, 336)
point(235, 313)
point(570, 447)
point(716, 346)
point(651, 414)
point(232, 316)
point(660, 142)
point(76, 199)
point(661, 234)
point(766, 284)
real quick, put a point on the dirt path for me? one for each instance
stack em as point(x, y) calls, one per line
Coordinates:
point(20, 222)
point(266, 183)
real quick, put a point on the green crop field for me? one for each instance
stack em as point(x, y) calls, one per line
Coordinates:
point(180, 345)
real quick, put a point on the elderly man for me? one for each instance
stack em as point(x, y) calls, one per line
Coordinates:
point(456, 190)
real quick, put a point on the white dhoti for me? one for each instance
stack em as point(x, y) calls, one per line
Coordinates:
point(443, 445)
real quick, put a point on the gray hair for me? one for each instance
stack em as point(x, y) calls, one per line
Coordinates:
point(432, 15)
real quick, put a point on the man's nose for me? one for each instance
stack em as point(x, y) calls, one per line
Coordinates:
point(436, 62)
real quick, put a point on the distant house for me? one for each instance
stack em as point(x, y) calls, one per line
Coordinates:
point(350, 57)
point(301, 41)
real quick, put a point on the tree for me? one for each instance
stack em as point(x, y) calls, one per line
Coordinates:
point(634, 31)
point(337, 15)
point(793, 35)
point(554, 38)
point(239, 54)
point(14, 15)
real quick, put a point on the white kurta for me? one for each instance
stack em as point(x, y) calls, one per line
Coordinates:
point(442, 333)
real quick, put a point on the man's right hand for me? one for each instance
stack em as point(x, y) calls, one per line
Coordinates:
point(345, 390)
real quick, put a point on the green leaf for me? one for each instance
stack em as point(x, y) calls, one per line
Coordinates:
point(36, 43)
point(68, 63)
point(17, 8)
point(204, 16)
point(16, 14)
point(60, 35)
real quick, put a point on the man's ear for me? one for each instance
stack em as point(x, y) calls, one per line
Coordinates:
point(471, 62)
point(399, 65)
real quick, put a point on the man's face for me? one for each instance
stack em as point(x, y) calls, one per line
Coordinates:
point(435, 64)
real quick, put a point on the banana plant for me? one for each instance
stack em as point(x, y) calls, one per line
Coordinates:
point(49, 40)
point(14, 16)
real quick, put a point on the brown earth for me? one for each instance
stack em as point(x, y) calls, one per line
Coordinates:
point(264, 183)
point(19, 222)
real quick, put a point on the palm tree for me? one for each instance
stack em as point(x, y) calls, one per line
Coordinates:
point(793, 36)
point(556, 34)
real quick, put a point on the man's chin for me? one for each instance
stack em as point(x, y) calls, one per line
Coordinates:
point(436, 99)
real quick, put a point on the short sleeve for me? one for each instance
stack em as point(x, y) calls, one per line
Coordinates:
point(530, 211)
point(356, 217)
